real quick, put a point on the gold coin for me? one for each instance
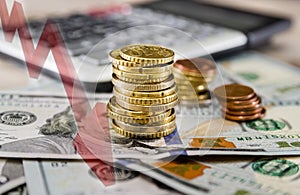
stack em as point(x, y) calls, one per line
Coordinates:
point(145, 101)
point(187, 74)
point(192, 74)
point(234, 92)
point(140, 119)
point(116, 108)
point(194, 103)
point(180, 73)
point(153, 94)
point(142, 81)
point(192, 80)
point(143, 77)
point(154, 69)
point(142, 135)
point(202, 86)
point(190, 83)
point(147, 54)
point(118, 60)
point(148, 128)
point(196, 65)
point(181, 78)
point(189, 89)
point(152, 108)
point(144, 86)
point(194, 96)
point(144, 128)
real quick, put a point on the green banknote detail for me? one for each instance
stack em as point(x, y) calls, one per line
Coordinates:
point(249, 76)
point(266, 125)
point(275, 167)
point(242, 192)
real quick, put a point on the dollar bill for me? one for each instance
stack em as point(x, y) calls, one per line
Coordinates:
point(276, 81)
point(23, 126)
point(279, 175)
point(191, 176)
point(45, 127)
point(11, 175)
point(225, 174)
point(75, 177)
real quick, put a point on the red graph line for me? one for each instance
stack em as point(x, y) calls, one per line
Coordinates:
point(51, 40)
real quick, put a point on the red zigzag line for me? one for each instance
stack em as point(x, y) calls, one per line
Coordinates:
point(51, 40)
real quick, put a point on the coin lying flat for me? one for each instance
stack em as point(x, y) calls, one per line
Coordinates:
point(196, 65)
point(144, 86)
point(147, 54)
point(153, 94)
point(195, 103)
point(145, 101)
point(233, 92)
point(146, 108)
point(145, 77)
point(246, 106)
point(253, 100)
point(154, 69)
point(246, 117)
point(142, 135)
point(243, 112)
point(141, 119)
point(199, 96)
point(116, 108)
point(116, 59)
point(148, 128)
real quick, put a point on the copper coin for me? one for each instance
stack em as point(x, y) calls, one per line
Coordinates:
point(243, 104)
point(243, 112)
point(196, 65)
point(234, 92)
point(246, 106)
point(251, 107)
point(245, 118)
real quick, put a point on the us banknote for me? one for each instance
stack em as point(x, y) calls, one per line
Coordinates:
point(191, 176)
point(280, 174)
point(75, 177)
point(274, 80)
point(225, 174)
point(200, 175)
point(45, 127)
point(11, 175)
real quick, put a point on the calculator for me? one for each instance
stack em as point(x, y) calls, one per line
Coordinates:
point(190, 27)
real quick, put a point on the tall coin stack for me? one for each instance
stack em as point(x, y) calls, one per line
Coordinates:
point(144, 91)
point(239, 102)
point(192, 77)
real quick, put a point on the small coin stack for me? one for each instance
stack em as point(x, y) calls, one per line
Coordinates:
point(239, 102)
point(144, 91)
point(192, 77)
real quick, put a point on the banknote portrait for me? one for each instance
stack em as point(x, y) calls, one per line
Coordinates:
point(58, 132)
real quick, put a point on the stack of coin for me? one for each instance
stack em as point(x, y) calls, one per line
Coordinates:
point(239, 102)
point(192, 77)
point(144, 91)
